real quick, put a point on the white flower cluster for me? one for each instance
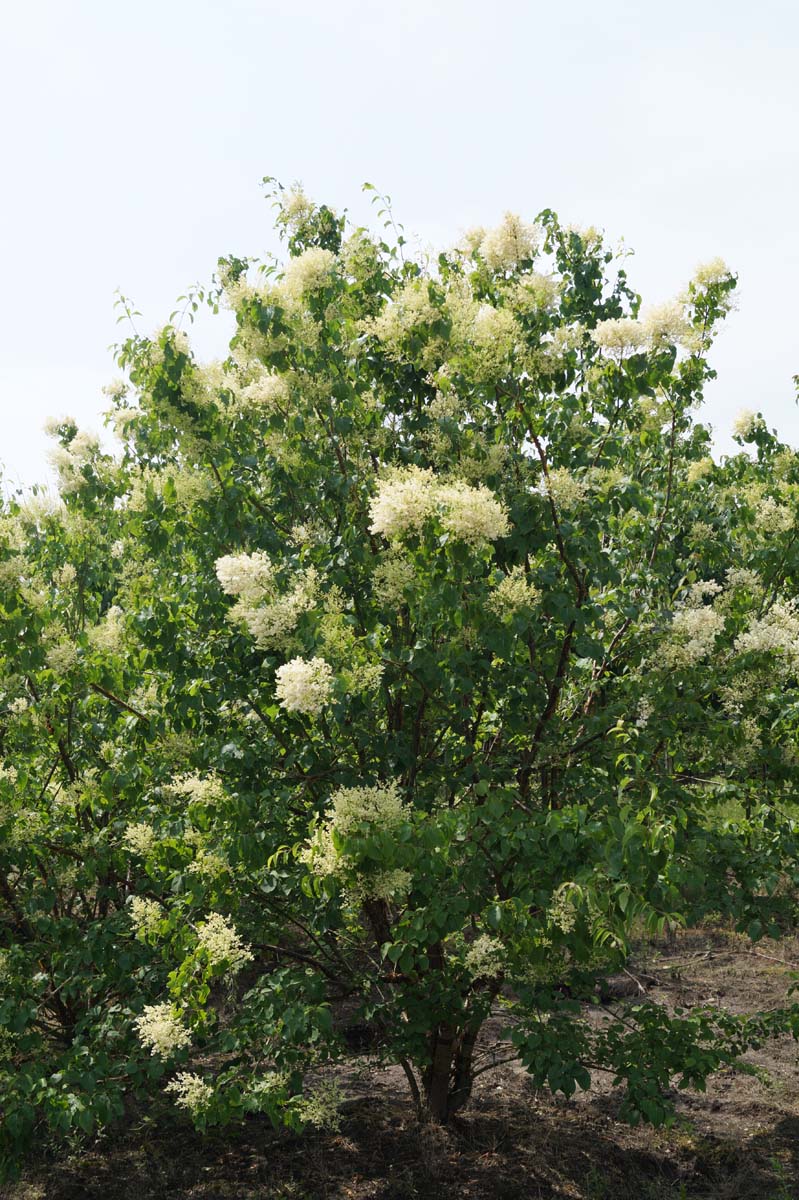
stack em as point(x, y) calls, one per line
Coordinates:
point(391, 579)
point(660, 325)
point(295, 207)
point(776, 632)
point(65, 576)
point(269, 617)
point(160, 1030)
point(744, 578)
point(715, 271)
point(404, 501)
point(108, 634)
point(699, 469)
point(220, 941)
point(320, 1108)
point(69, 461)
point(564, 906)
point(115, 389)
point(12, 571)
point(390, 885)
point(197, 789)
point(304, 685)
point(772, 517)
point(208, 864)
point(145, 915)
point(139, 838)
point(512, 242)
point(269, 392)
point(665, 324)
point(410, 311)
point(694, 628)
point(494, 335)
point(248, 576)
point(190, 1091)
point(381, 805)
point(472, 514)
point(309, 271)
point(488, 336)
point(408, 497)
point(167, 334)
point(514, 593)
point(61, 657)
point(619, 335)
point(352, 808)
point(485, 957)
point(567, 490)
point(745, 425)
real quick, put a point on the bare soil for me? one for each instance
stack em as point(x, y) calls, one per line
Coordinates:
point(739, 1141)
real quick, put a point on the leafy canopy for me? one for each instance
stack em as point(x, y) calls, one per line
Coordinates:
point(403, 665)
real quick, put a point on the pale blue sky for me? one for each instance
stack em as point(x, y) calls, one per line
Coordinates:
point(135, 136)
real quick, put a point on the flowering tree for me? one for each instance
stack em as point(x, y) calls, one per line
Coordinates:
point(407, 663)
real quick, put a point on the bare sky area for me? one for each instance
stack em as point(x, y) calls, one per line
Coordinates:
point(135, 137)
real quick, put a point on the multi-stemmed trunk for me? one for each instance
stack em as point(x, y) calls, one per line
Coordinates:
point(447, 1078)
point(445, 1082)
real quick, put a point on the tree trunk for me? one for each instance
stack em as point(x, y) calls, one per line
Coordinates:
point(447, 1080)
point(436, 1076)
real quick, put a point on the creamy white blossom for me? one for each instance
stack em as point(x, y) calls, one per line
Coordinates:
point(270, 616)
point(61, 657)
point(699, 469)
point(390, 885)
point(619, 335)
point(407, 498)
point(776, 632)
point(392, 579)
point(108, 634)
point(472, 514)
point(139, 837)
point(694, 628)
point(304, 685)
point(510, 243)
point(492, 337)
point(268, 392)
point(564, 906)
point(145, 914)
point(248, 576)
point(197, 789)
point(404, 501)
point(514, 593)
point(272, 623)
point(222, 944)
point(568, 491)
point(773, 517)
point(714, 271)
point(378, 805)
point(665, 324)
point(309, 271)
point(485, 957)
point(161, 1031)
point(190, 1091)
point(745, 424)
point(409, 311)
point(69, 461)
point(295, 207)
point(115, 389)
point(320, 1107)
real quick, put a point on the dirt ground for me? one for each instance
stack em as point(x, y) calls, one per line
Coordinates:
point(739, 1141)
